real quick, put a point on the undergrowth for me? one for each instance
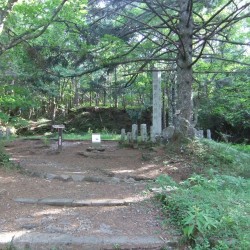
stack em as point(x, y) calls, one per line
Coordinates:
point(5, 161)
point(211, 208)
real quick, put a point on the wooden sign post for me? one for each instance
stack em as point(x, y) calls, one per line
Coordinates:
point(60, 129)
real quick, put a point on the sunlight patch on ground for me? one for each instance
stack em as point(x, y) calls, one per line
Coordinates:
point(9, 236)
point(147, 167)
point(6, 180)
point(49, 212)
point(122, 171)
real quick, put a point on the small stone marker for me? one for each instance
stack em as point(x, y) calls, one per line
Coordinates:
point(209, 137)
point(201, 133)
point(96, 140)
point(134, 132)
point(152, 136)
point(8, 133)
point(144, 136)
point(60, 129)
point(123, 135)
point(129, 137)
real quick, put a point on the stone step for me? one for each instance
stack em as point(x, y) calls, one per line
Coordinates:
point(75, 203)
point(66, 176)
point(34, 240)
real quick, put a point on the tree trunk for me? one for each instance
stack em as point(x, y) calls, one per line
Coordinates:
point(164, 106)
point(115, 95)
point(184, 70)
point(76, 84)
point(172, 100)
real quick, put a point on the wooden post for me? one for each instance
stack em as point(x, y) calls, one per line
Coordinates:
point(60, 129)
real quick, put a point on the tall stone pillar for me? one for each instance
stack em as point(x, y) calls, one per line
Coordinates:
point(157, 105)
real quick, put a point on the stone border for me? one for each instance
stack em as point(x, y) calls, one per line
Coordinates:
point(111, 177)
point(74, 203)
point(36, 240)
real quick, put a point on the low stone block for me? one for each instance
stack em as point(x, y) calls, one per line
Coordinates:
point(94, 179)
point(56, 202)
point(64, 177)
point(26, 200)
point(77, 177)
point(115, 180)
point(99, 202)
point(51, 176)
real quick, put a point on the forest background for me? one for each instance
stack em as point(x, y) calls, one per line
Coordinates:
point(89, 65)
point(59, 55)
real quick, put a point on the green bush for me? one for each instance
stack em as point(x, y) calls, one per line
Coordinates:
point(211, 208)
point(211, 211)
point(5, 160)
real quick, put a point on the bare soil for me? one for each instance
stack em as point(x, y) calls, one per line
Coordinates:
point(114, 173)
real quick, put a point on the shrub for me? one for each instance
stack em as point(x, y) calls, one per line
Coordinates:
point(211, 208)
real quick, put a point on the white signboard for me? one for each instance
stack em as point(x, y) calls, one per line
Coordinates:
point(96, 138)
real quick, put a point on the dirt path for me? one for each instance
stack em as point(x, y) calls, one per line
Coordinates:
point(79, 174)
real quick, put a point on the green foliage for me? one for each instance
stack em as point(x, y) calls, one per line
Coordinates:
point(224, 158)
point(19, 122)
point(4, 118)
point(197, 221)
point(5, 160)
point(105, 135)
point(212, 209)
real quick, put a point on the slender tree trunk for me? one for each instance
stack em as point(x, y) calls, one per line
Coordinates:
point(172, 96)
point(53, 110)
point(115, 90)
point(90, 98)
point(76, 84)
point(184, 70)
point(164, 107)
point(104, 97)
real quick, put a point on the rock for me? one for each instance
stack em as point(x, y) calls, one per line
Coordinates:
point(147, 156)
point(77, 177)
point(94, 179)
point(65, 177)
point(115, 180)
point(168, 133)
point(36, 174)
point(29, 226)
point(26, 200)
point(51, 176)
point(3, 192)
point(105, 229)
point(130, 180)
point(56, 202)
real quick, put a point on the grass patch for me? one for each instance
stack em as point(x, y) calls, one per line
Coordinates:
point(225, 158)
point(76, 136)
point(211, 208)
